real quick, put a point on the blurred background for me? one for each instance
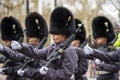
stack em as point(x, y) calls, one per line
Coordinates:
point(81, 9)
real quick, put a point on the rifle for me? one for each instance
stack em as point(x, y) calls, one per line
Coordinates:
point(42, 42)
point(39, 46)
point(111, 44)
point(113, 41)
point(20, 39)
point(87, 40)
point(62, 47)
point(91, 42)
point(56, 54)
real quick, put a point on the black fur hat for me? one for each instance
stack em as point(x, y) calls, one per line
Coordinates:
point(62, 21)
point(102, 27)
point(81, 34)
point(36, 26)
point(11, 29)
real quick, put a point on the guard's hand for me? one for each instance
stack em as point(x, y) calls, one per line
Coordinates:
point(1, 47)
point(43, 70)
point(20, 72)
point(16, 45)
point(2, 71)
point(88, 50)
point(97, 62)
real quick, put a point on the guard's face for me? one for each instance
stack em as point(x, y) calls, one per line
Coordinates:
point(101, 40)
point(33, 40)
point(117, 29)
point(75, 43)
point(58, 38)
point(7, 43)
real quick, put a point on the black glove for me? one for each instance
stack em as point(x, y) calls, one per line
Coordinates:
point(32, 73)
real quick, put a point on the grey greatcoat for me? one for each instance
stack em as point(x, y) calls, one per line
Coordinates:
point(11, 68)
point(82, 67)
point(108, 69)
point(81, 70)
point(105, 56)
point(21, 59)
point(61, 69)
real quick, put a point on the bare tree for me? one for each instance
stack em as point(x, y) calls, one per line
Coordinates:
point(9, 5)
point(88, 12)
point(116, 4)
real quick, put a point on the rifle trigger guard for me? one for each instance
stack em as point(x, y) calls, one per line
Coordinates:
point(60, 50)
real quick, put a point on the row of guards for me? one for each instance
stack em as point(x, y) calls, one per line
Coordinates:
point(66, 58)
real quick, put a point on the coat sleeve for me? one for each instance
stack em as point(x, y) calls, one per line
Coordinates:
point(67, 68)
point(113, 68)
point(30, 52)
point(13, 55)
point(105, 56)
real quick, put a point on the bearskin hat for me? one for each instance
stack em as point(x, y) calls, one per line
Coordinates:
point(102, 27)
point(36, 26)
point(62, 21)
point(11, 29)
point(81, 34)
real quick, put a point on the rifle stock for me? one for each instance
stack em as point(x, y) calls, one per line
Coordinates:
point(87, 40)
point(51, 60)
point(42, 42)
point(83, 44)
